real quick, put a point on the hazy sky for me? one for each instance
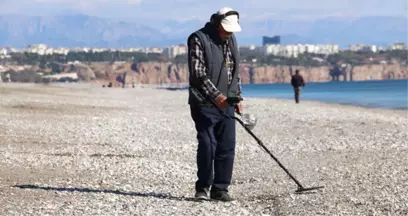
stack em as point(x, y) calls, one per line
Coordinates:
point(188, 9)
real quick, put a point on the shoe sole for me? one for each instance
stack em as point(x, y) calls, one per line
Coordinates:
point(220, 200)
point(202, 198)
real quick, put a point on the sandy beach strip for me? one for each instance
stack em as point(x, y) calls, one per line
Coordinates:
point(81, 149)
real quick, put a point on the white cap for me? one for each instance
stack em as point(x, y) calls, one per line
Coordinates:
point(231, 22)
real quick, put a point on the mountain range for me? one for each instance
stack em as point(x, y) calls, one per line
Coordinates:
point(78, 30)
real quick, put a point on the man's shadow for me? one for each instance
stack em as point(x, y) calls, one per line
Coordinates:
point(136, 194)
point(118, 192)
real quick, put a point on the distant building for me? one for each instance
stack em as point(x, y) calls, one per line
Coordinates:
point(271, 40)
point(174, 51)
point(5, 52)
point(363, 48)
point(398, 46)
point(40, 49)
point(293, 50)
point(250, 48)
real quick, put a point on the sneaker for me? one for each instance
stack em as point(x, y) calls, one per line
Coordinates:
point(221, 196)
point(202, 194)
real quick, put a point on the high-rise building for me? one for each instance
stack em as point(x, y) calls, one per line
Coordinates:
point(271, 40)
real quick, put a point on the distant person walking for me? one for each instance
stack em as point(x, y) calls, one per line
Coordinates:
point(297, 83)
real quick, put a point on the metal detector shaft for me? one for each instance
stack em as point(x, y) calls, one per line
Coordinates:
point(269, 152)
point(300, 186)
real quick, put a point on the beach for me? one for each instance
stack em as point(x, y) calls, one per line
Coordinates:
point(79, 149)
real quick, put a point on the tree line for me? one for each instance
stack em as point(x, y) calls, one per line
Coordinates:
point(313, 60)
point(305, 59)
point(105, 56)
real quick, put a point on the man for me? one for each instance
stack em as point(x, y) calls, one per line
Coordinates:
point(297, 83)
point(213, 60)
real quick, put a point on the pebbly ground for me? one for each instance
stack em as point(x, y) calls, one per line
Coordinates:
point(85, 150)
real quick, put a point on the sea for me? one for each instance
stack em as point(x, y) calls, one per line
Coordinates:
point(388, 94)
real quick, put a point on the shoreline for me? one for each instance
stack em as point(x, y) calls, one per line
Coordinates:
point(183, 89)
point(306, 100)
point(334, 103)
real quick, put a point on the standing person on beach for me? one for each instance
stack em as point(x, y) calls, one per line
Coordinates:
point(297, 83)
point(213, 61)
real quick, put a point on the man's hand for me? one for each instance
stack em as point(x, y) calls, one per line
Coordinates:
point(221, 102)
point(238, 108)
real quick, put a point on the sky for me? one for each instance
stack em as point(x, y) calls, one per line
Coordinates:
point(193, 9)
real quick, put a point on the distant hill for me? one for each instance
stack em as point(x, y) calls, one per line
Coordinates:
point(76, 31)
point(368, 30)
point(81, 30)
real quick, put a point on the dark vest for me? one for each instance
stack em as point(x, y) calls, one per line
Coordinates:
point(215, 62)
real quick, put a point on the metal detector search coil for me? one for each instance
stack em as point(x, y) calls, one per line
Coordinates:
point(249, 120)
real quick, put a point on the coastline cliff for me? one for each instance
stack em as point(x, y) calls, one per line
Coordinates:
point(168, 73)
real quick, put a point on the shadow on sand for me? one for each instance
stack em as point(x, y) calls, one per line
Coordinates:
point(264, 197)
point(88, 190)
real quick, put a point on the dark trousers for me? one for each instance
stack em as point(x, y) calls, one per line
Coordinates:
point(216, 147)
point(297, 94)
